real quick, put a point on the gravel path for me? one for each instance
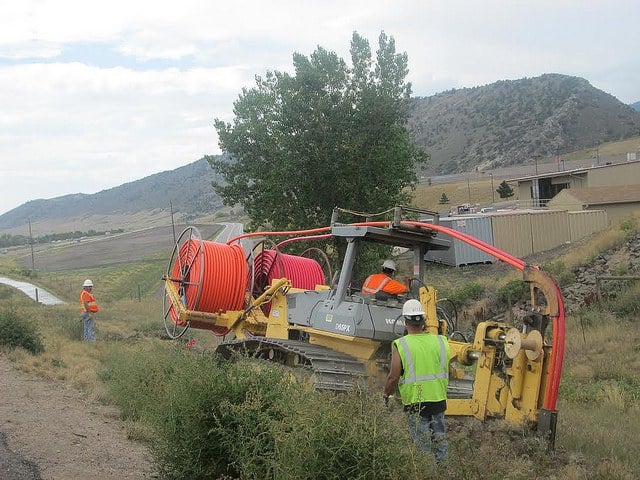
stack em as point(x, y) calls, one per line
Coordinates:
point(51, 432)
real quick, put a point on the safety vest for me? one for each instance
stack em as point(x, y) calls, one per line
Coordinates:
point(425, 364)
point(381, 282)
point(90, 300)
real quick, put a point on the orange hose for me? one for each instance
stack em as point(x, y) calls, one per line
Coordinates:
point(213, 278)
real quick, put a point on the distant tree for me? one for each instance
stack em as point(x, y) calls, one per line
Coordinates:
point(443, 199)
point(326, 136)
point(505, 190)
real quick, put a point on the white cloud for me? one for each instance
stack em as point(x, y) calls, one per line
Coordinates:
point(95, 94)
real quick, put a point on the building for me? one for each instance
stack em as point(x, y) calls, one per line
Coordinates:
point(619, 202)
point(614, 188)
point(537, 190)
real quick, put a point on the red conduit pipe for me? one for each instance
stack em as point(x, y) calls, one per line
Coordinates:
point(266, 234)
point(223, 270)
point(301, 239)
point(303, 272)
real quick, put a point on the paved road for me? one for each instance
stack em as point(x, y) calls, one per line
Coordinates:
point(33, 292)
point(229, 231)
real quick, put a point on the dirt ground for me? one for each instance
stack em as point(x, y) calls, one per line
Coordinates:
point(52, 432)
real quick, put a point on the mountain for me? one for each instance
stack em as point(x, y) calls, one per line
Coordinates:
point(635, 106)
point(146, 202)
point(502, 124)
point(512, 122)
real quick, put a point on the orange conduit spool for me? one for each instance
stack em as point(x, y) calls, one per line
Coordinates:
point(215, 278)
point(302, 272)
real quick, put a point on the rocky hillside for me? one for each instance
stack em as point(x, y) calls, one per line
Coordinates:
point(622, 261)
point(513, 122)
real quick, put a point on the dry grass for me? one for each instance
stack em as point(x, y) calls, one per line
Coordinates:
point(607, 149)
point(477, 191)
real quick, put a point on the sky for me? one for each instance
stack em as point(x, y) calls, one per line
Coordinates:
point(94, 94)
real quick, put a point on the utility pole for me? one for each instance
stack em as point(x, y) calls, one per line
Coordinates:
point(173, 226)
point(493, 192)
point(469, 189)
point(33, 258)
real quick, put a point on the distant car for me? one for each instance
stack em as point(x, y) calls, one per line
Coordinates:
point(4, 250)
point(487, 209)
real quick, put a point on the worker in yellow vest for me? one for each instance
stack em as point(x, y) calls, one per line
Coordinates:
point(420, 370)
point(88, 309)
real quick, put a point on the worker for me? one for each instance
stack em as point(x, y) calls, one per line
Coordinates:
point(420, 370)
point(384, 282)
point(88, 309)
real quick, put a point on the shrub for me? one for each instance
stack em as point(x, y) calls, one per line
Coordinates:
point(629, 225)
point(513, 291)
point(254, 420)
point(16, 330)
point(466, 293)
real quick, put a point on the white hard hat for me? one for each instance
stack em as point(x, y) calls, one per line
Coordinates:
point(412, 308)
point(390, 264)
point(87, 283)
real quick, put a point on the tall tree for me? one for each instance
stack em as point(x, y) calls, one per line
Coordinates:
point(327, 136)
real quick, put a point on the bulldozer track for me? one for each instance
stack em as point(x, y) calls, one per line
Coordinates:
point(331, 370)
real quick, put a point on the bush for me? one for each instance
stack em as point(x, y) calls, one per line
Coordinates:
point(254, 420)
point(466, 293)
point(17, 331)
point(513, 291)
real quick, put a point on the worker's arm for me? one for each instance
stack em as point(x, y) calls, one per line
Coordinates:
point(395, 370)
point(395, 287)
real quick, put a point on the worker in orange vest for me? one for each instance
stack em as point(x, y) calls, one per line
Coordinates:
point(88, 309)
point(384, 282)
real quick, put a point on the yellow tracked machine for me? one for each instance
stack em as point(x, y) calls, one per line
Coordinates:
point(286, 309)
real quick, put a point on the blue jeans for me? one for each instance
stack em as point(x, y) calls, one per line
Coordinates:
point(89, 331)
point(428, 433)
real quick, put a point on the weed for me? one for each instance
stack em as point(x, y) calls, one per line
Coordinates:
point(513, 291)
point(465, 293)
point(16, 330)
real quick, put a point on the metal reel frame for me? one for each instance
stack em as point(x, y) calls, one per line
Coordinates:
point(189, 235)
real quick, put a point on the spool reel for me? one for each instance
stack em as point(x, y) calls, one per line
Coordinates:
point(188, 250)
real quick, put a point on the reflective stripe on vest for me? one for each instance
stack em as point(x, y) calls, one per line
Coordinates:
point(369, 290)
point(411, 370)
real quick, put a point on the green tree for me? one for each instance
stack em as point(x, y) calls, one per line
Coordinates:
point(328, 136)
point(505, 190)
point(443, 199)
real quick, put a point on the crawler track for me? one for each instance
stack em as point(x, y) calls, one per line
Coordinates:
point(331, 370)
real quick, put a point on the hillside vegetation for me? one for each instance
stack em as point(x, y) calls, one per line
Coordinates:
point(512, 122)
